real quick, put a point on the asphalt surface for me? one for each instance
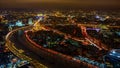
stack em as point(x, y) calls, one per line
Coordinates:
point(20, 43)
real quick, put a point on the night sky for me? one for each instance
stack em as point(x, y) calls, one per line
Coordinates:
point(59, 3)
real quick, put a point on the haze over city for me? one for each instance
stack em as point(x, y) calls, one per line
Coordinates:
point(59, 4)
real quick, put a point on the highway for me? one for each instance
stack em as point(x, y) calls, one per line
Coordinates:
point(67, 59)
point(97, 43)
point(87, 39)
point(86, 25)
point(18, 44)
point(21, 43)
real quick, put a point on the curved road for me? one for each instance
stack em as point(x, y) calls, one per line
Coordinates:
point(21, 44)
point(18, 48)
point(25, 48)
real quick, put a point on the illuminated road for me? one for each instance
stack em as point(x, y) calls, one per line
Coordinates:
point(89, 39)
point(92, 40)
point(17, 44)
point(86, 25)
point(68, 35)
point(28, 50)
point(16, 47)
point(96, 26)
point(21, 43)
point(65, 59)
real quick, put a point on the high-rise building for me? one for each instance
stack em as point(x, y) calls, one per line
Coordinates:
point(30, 21)
point(19, 23)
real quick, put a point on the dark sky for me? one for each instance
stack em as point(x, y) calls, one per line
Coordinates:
point(59, 3)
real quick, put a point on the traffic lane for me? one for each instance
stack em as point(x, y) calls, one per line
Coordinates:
point(21, 43)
